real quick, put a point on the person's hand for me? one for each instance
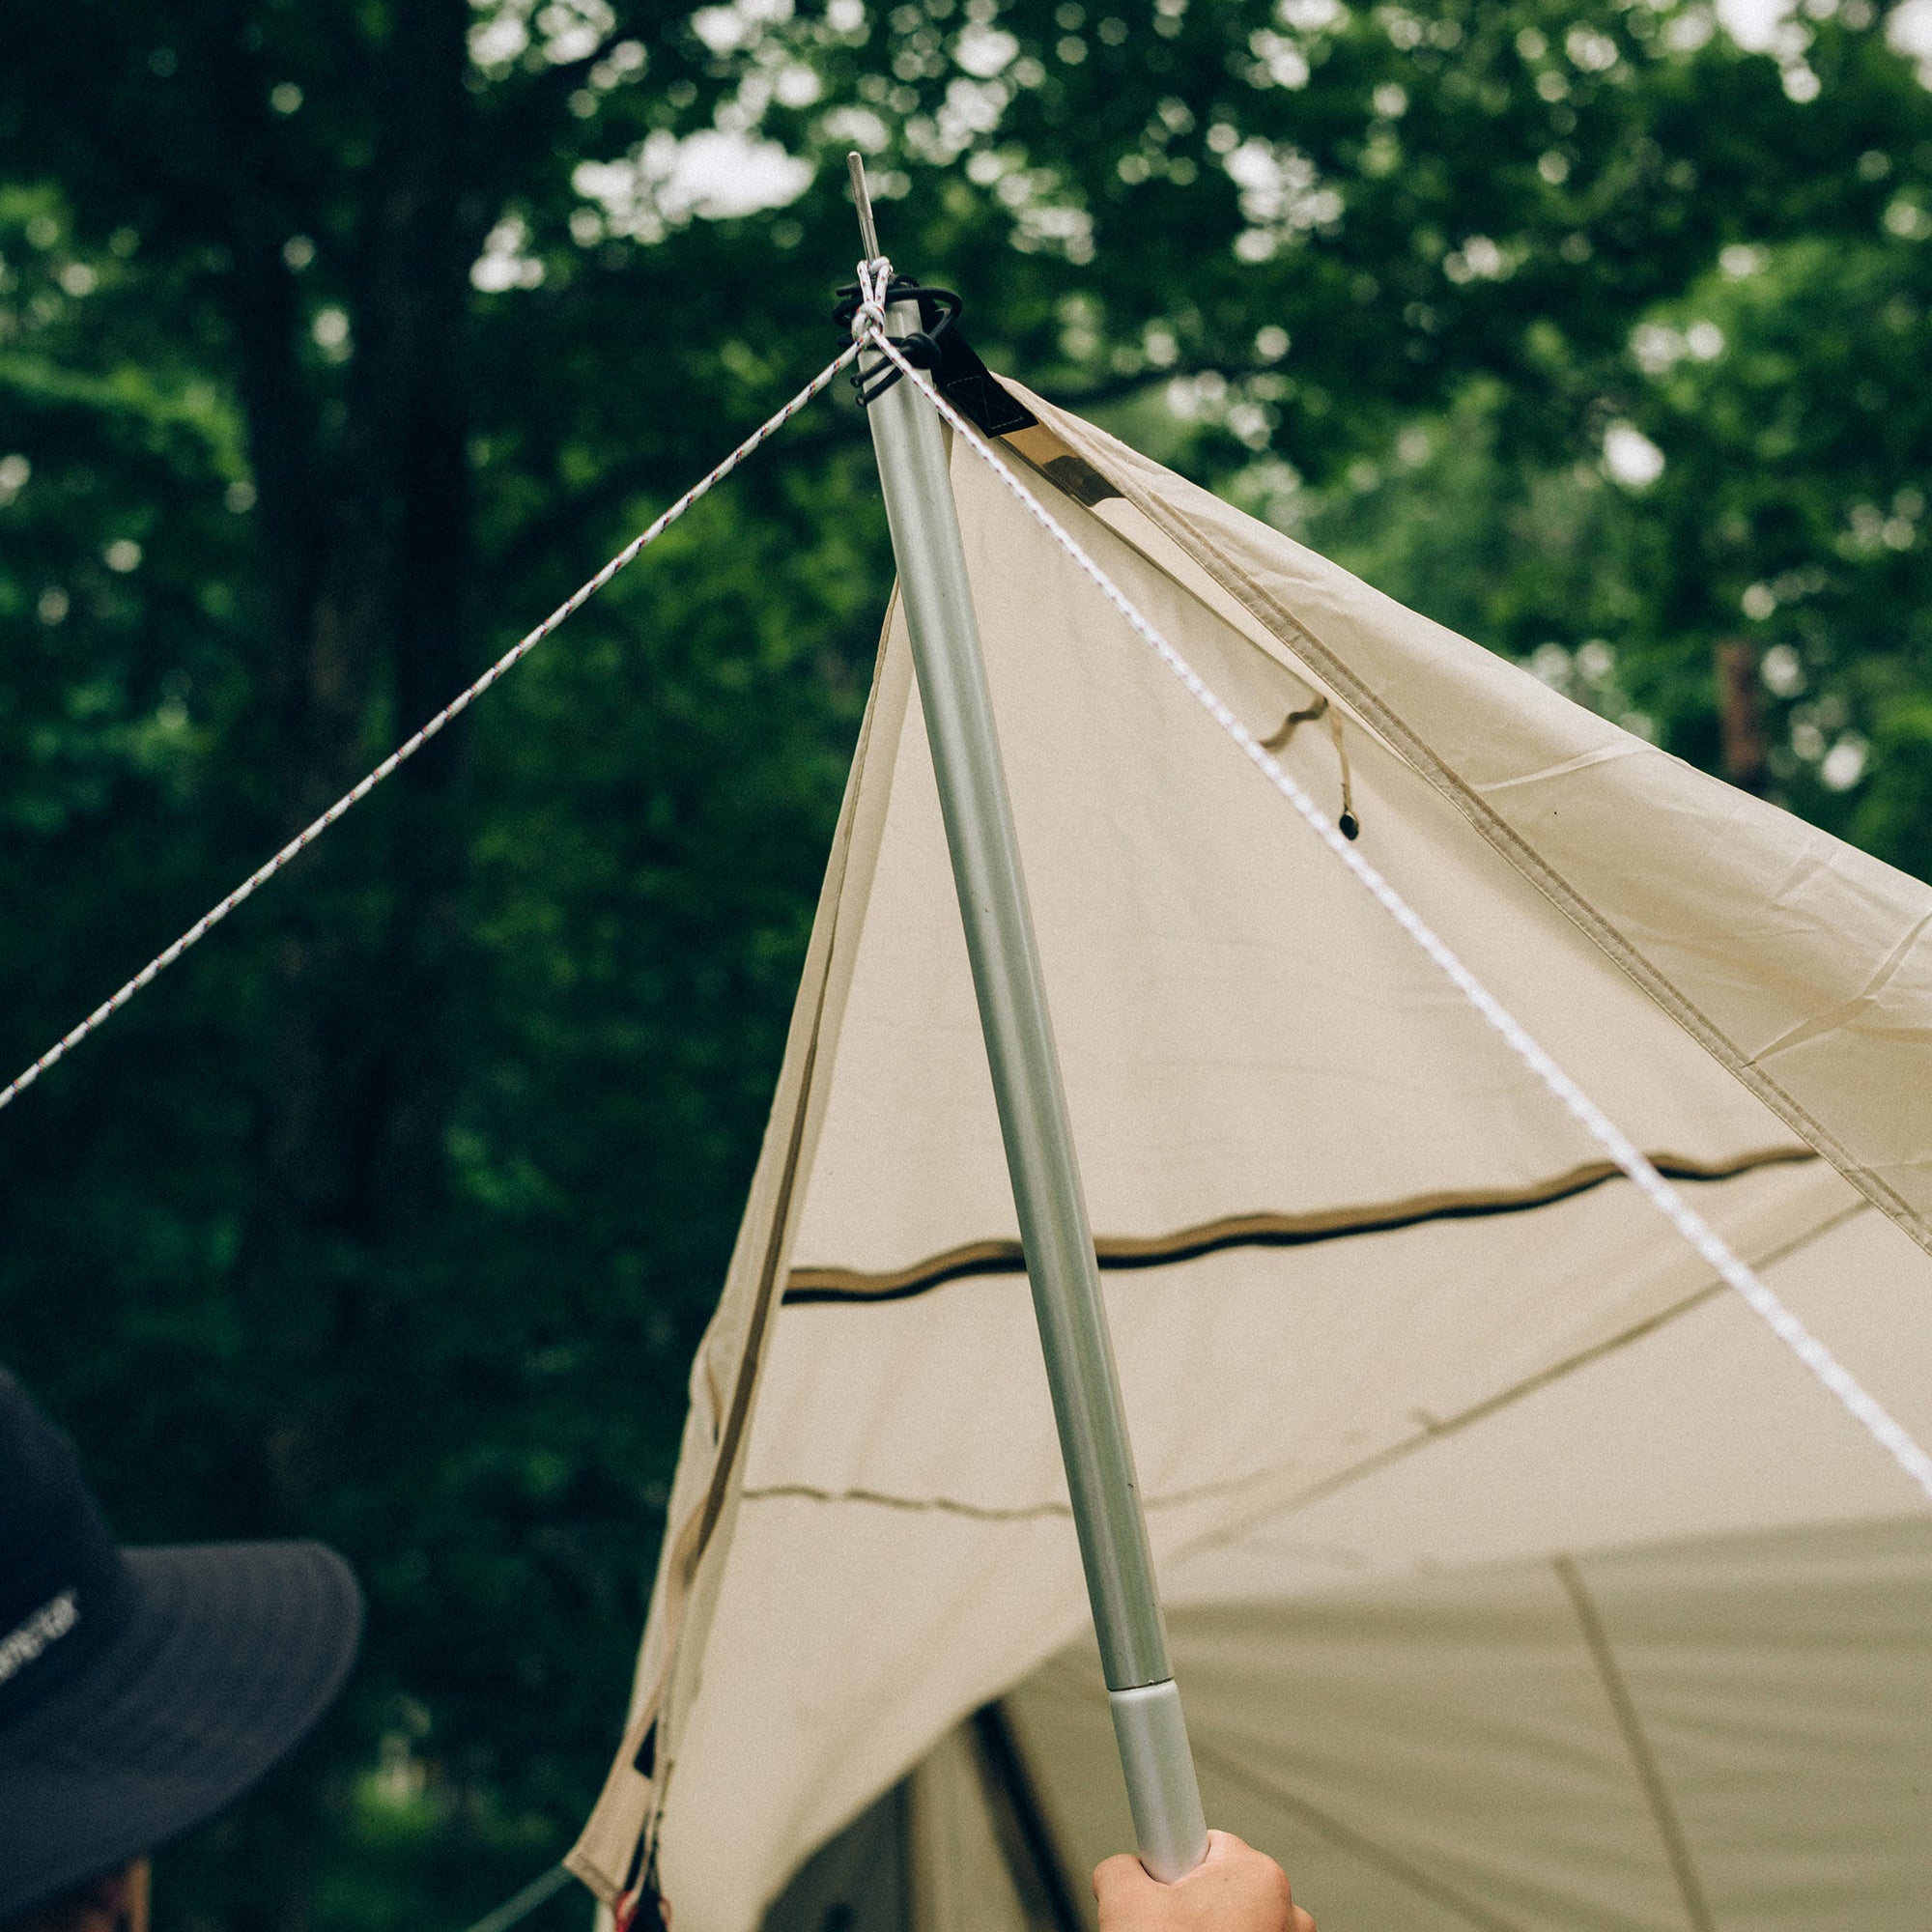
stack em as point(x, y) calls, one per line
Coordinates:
point(1233, 1889)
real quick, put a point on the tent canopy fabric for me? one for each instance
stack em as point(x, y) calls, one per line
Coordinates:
point(1516, 1576)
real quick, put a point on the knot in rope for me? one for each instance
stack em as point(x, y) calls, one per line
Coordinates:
point(874, 279)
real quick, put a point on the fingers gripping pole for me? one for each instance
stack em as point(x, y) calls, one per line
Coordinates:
point(1054, 1230)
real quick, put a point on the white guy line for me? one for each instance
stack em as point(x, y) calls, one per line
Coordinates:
point(411, 746)
point(1859, 1402)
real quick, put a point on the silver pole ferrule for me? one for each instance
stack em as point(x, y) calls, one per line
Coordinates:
point(1169, 1826)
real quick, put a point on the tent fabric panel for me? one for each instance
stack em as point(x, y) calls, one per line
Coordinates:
point(962, 1875)
point(850, 1638)
point(1786, 1686)
point(905, 1549)
point(1457, 1763)
point(1241, 1027)
point(1250, 1375)
point(1447, 1751)
point(1703, 1425)
point(1243, 1033)
point(861, 1880)
point(1831, 1016)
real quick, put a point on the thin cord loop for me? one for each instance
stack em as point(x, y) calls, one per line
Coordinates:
point(411, 746)
point(1859, 1402)
point(875, 277)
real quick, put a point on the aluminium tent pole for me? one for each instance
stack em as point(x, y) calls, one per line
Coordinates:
point(1054, 1232)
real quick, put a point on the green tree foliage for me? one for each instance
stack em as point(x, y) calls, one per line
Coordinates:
point(338, 343)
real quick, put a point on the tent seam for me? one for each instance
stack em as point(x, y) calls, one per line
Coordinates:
point(1643, 1761)
point(1364, 1848)
point(809, 1287)
point(1408, 745)
point(1437, 1431)
point(984, 1512)
point(1007, 1779)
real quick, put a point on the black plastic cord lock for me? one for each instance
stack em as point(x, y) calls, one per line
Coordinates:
point(937, 310)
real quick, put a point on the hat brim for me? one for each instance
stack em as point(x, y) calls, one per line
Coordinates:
point(232, 1652)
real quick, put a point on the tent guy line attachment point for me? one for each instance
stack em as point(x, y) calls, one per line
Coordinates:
point(1858, 1402)
point(411, 746)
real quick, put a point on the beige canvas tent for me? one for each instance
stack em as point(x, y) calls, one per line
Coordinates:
point(1516, 1577)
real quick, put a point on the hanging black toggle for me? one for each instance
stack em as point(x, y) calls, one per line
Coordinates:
point(961, 378)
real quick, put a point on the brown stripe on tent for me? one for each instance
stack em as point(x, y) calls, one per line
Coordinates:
point(806, 1286)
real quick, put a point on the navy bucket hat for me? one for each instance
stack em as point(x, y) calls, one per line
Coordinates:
point(140, 1690)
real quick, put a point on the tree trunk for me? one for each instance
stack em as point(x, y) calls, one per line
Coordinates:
point(365, 512)
point(1741, 715)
